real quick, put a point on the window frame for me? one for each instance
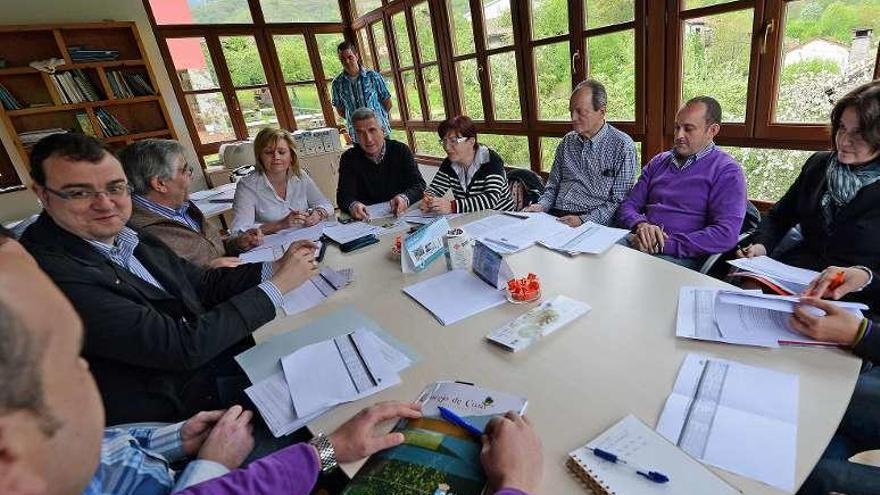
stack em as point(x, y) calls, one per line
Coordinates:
point(262, 33)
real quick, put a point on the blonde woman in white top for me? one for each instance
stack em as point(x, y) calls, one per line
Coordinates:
point(279, 195)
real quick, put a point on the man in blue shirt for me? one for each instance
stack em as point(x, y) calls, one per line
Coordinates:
point(358, 87)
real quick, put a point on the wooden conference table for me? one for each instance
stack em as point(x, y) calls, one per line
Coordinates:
point(620, 358)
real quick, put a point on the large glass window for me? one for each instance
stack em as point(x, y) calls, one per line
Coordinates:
point(601, 13)
point(612, 61)
point(302, 90)
point(201, 12)
point(301, 10)
point(769, 172)
point(553, 73)
point(469, 89)
point(514, 150)
point(362, 7)
point(716, 57)
point(498, 22)
point(505, 88)
point(461, 28)
point(827, 50)
point(201, 87)
point(249, 80)
point(549, 18)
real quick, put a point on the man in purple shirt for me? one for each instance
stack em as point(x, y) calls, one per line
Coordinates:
point(52, 420)
point(690, 201)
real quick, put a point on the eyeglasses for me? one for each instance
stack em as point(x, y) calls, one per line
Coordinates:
point(453, 140)
point(84, 195)
point(187, 169)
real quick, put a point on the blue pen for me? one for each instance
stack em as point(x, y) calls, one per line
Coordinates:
point(654, 476)
point(459, 421)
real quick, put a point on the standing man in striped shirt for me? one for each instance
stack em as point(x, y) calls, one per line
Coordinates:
point(357, 87)
point(595, 164)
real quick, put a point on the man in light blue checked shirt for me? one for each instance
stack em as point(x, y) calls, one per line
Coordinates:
point(357, 87)
point(595, 164)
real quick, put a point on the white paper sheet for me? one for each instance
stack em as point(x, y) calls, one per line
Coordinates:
point(315, 290)
point(695, 318)
point(481, 227)
point(743, 419)
point(379, 210)
point(272, 398)
point(471, 296)
point(590, 238)
point(345, 232)
point(519, 236)
point(338, 370)
point(641, 447)
point(788, 277)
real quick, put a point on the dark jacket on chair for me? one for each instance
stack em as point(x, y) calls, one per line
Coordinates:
point(852, 238)
point(156, 355)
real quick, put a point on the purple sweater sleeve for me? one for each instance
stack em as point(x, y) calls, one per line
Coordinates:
point(632, 210)
point(510, 491)
point(727, 208)
point(292, 471)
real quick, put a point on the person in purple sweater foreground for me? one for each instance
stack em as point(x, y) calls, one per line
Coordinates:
point(52, 439)
point(690, 201)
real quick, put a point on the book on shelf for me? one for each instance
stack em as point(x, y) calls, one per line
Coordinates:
point(85, 124)
point(109, 124)
point(81, 54)
point(85, 85)
point(129, 85)
point(29, 138)
point(8, 100)
point(139, 85)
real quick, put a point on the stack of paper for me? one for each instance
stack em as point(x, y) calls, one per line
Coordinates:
point(743, 317)
point(483, 226)
point(590, 238)
point(274, 245)
point(311, 380)
point(314, 291)
point(736, 417)
point(455, 295)
point(786, 279)
point(346, 232)
point(342, 369)
point(523, 233)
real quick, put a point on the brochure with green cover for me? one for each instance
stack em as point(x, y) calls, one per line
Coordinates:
point(437, 457)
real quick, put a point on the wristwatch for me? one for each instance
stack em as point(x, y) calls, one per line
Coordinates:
point(325, 452)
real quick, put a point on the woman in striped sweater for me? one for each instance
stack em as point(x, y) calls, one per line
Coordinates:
point(473, 172)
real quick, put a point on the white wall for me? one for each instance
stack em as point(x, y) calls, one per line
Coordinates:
point(22, 203)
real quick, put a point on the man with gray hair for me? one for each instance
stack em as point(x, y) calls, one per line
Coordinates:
point(376, 170)
point(595, 164)
point(160, 178)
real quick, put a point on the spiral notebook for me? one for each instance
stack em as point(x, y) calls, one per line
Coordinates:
point(642, 447)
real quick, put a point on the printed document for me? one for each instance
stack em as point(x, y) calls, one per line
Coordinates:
point(471, 296)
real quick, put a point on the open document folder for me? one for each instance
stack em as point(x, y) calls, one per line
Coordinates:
point(782, 278)
point(272, 393)
point(743, 317)
point(736, 417)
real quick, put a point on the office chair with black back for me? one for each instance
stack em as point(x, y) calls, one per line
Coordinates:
point(715, 265)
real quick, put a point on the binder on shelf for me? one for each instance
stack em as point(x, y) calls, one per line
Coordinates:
point(8, 100)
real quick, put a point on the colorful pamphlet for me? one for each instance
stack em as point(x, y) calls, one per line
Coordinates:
point(438, 456)
point(424, 246)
